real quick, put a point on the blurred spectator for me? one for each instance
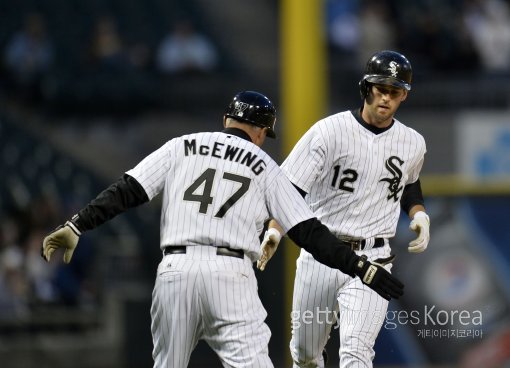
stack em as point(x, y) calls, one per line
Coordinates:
point(488, 23)
point(434, 34)
point(343, 25)
point(376, 30)
point(185, 50)
point(28, 56)
point(27, 282)
point(109, 51)
point(114, 78)
point(37, 272)
point(14, 287)
point(107, 46)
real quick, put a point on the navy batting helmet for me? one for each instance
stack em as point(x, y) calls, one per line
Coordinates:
point(254, 108)
point(386, 67)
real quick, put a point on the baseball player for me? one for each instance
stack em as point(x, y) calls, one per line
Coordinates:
point(356, 170)
point(219, 188)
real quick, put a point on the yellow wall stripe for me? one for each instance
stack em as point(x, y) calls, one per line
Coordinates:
point(303, 96)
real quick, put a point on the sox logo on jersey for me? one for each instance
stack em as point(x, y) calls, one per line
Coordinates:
point(394, 186)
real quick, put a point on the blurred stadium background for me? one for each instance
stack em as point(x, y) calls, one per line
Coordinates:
point(86, 92)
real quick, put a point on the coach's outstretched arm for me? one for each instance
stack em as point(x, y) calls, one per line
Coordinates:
point(316, 239)
point(117, 198)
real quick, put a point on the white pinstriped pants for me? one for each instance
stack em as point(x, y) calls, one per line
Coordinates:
point(325, 298)
point(201, 295)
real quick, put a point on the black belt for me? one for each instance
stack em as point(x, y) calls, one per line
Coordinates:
point(221, 251)
point(359, 244)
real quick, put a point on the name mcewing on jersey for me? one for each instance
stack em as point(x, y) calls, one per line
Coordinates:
point(226, 152)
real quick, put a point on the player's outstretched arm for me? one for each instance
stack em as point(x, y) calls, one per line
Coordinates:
point(269, 244)
point(117, 198)
point(316, 238)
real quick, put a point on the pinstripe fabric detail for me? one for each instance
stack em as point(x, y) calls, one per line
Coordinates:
point(200, 295)
point(174, 168)
point(340, 141)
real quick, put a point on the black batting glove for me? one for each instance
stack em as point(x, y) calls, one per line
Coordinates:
point(378, 279)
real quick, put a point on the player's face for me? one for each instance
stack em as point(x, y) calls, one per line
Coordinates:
point(382, 103)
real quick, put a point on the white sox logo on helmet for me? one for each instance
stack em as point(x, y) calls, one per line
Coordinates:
point(240, 107)
point(393, 68)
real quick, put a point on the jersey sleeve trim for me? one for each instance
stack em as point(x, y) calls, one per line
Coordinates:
point(411, 196)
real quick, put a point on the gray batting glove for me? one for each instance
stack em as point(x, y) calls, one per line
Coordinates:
point(268, 247)
point(65, 236)
point(420, 225)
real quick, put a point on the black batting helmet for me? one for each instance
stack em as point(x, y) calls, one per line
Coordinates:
point(386, 67)
point(254, 108)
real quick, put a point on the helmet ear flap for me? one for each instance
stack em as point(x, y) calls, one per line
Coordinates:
point(363, 88)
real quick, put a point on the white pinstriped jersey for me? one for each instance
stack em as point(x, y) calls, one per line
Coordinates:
point(218, 189)
point(355, 178)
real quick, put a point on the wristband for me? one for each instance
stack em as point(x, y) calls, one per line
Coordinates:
point(276, 234)
point(73, 227)
point(422, 215)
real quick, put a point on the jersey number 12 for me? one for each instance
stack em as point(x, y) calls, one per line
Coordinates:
point(348, 177)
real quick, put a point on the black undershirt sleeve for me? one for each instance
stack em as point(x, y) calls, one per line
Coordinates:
point(411, 196)
point(316, 239)
point(125, 193)
point(326, 248)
